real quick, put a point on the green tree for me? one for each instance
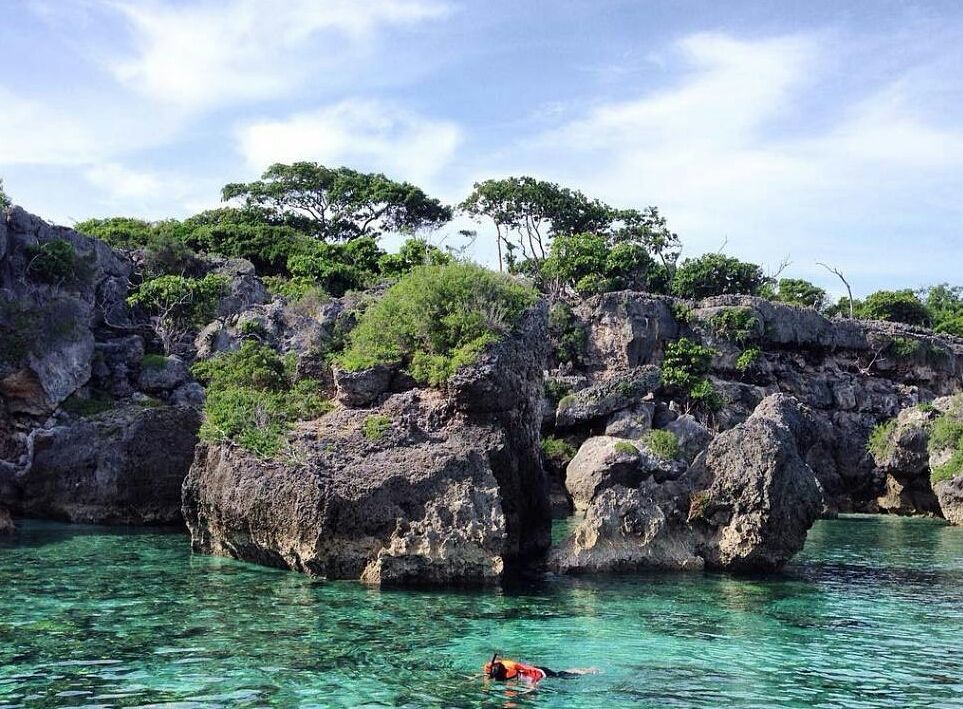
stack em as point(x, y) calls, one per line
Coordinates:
point(588, 263)
point(4, 199)
point(177, 304)
point(528, 213)
point(798, 291)
point(413, 252)
point(649, 229)
point(339, 203)
point(716, 274)
point(945, 305)
point(898, 306)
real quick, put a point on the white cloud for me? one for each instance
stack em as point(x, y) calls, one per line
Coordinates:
point(213, 52)
point(731, 152)
point(370, 135)
point(122, 182)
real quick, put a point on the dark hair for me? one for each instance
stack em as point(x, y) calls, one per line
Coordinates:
point(498, 671)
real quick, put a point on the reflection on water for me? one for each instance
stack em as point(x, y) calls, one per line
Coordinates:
point(870, 614)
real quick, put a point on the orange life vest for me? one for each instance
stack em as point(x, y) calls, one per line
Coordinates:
point(515, 669)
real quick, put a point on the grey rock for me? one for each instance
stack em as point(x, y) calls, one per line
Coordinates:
point(362, 388)
point(950, 496)
point(693, 436)
point(605, 461)
point(163, 379)
point(631, 423)
point(619, 391)
point(191, 395)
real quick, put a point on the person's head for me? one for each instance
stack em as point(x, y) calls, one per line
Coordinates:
point(496, 670)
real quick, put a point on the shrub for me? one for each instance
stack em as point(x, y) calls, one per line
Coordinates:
point(904, 347)
point(747, 359)
point(435, 319)
point(119, 232)
point(715, 274)
point(97, 403)
point(556, 390)
point(626, 448)
point(898, 306)
point(253, 399)
point(946, 432)
point(176, 304)
point(737, 324)
point(52, 261)
point(949, 470)
point(559, 451)
point(684, 368)
point(589, 263)
point(797, 291)
point(376, 426)
point(153, 361)
point(880, 440)
point(412, 253)
point(568, 334)
point(664, 444)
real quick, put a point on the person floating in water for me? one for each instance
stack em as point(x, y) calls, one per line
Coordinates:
point(505, 669)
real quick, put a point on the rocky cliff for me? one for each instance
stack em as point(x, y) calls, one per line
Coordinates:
point(412, 486)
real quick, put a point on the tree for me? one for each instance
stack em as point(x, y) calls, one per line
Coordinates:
point(849, 300)
point(716, 274)
point(587, 263)
point(414, 252)
point(528, 213)
point(898, 306)
point(945, 305)
point(649, 229)
point(798, 291)
point(339, 203)
point(4, 199)
point(176, 305)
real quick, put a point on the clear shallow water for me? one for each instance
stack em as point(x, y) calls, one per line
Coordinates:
point(870, 614)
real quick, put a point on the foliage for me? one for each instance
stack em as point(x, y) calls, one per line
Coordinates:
point(748, 358)
point(339, 203)
point(626, 448)
point(716, 274)
point(567, 333)
point(880, 442)
point(684, 368)
point(435, 319)
point(898, 306)
point(699, 503)
point(528, 213)
point(52, 261)
point(163, 243)
point(945, 306)
point(376, 426)
point(96, 403)
point(555, 390)
point(663, 444)
point(413, 252)
point(4, 199)
point(557, 450)
point(798, 291)
point(177, 304)
point(118, 232)
point(253, 398)
point(949, 470)
point(946, 432)
point(648, 229)
point(590, 263)
point(738, 324)
point(153, 361)
point(904, 347)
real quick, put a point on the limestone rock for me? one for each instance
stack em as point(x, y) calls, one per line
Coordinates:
point(363, 388)
point(632, 423)
point(949, 493)
point(619, 391)
point(163, 377)
point(693, 436)
point(605, 461)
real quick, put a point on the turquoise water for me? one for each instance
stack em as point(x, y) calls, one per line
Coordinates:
point(870, 614)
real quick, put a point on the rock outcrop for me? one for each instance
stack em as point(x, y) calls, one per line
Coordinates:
point(7, 527)
point(427, 487)
point(745, 504)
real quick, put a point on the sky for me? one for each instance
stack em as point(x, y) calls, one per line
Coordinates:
point(816, 131)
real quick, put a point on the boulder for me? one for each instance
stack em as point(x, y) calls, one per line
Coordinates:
point(123, 466)
point(904, 459)
point(605, 461)
point(363, 388)
point(431, 486)
point(949, 493)
point(619, 391)
point(632, 423)
point(693, 436)
point(745, 504)
point(191, 395)
point(162, 377)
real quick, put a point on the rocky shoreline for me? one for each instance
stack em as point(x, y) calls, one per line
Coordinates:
point(401, 483)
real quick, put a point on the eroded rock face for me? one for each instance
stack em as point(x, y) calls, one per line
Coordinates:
point(619, 391)
point(603, 462)
point(949, 493)
point(905, 461)
point(746, 503)
point(124, 466)
point(429, 487)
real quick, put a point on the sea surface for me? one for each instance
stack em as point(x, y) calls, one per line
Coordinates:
point(870, 614)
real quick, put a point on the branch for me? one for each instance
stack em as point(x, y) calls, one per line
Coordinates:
point(839, 274)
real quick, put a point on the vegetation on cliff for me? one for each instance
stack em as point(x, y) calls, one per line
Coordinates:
point(435, 320)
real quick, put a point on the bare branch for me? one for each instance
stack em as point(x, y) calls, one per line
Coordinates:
point(839, 274)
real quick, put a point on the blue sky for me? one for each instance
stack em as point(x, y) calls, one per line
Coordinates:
point(821, 131)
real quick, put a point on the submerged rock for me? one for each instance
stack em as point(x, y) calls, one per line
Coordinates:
point(746, 503)
point(429, 487)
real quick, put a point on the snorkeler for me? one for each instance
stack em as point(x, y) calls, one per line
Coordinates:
point(503, 669)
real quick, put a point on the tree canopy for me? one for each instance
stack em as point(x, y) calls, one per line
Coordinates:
point(339, 204)
point(4, 199)
point(716, 274)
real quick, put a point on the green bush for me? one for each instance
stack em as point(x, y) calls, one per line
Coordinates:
point(626, 448)
point(52, 261)
point(567, 333)
point(664, 444)
point(715, 274)
point(946, 432)
point(738, 324)
point(559, 451)
point(797, 291)
point(556, 390)
point(949, 470)
point(898, 306)
point(684, 367)
point(435, 319)
point(880, 440)
point(748, 358)
point(590, 263)
point(179, 301)
point(97, 403)
point(375, 427)
point(153, 361)
point(904, 347)
point(253, 398)
point(412, 253)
